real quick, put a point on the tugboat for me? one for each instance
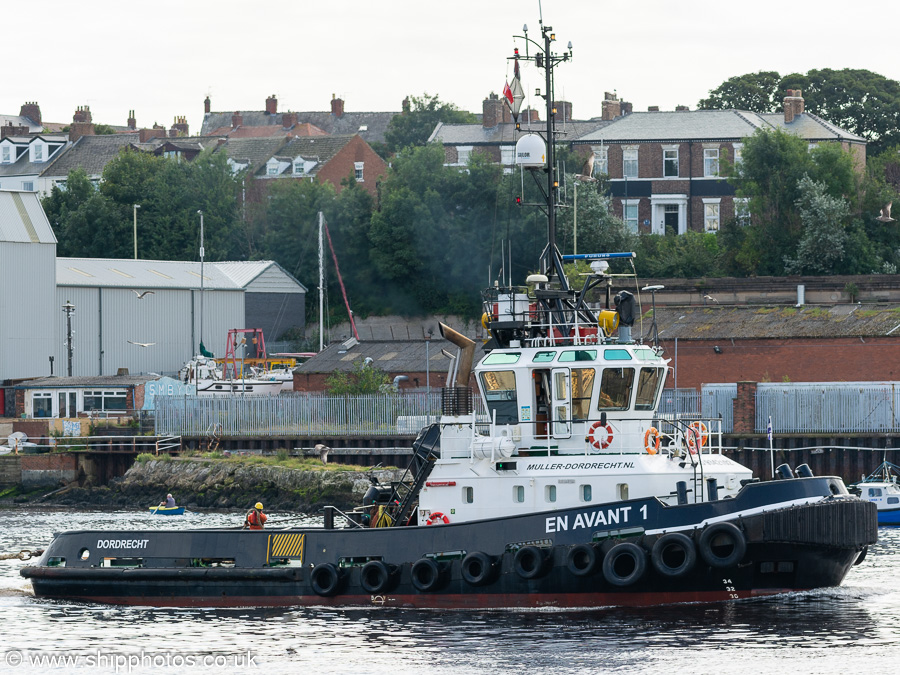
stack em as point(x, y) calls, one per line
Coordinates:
point(570, 489)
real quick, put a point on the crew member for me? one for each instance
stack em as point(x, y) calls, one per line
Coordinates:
point(169, 503)
point(256, 519)
point(624, 302)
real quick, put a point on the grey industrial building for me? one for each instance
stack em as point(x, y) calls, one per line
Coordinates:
point(139, 316)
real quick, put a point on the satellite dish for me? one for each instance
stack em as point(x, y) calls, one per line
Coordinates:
point(536, 279)
point(531, 152)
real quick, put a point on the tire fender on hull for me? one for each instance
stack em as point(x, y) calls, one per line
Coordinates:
point(722, 545)
point(478, 568)
point(427, 575)
point(325, 580)
point(582, 559)
point(530, 562)
point(624, 564)
point(673, 555)
point(377, 577)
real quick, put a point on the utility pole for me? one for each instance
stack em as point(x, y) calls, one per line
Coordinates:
point(69, 309)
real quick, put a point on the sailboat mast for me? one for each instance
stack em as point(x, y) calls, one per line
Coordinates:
point(202, 253)
point(321, 284)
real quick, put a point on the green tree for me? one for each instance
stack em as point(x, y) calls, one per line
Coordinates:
point(83, 220)
point(365, 378)
point(859, 101)
point(414, 127)
point(823, 244)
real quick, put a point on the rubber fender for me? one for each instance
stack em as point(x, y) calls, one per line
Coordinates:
point(722, 545)
point(624, 564)
point(478, 568)
point(530, 562)
point(673, 554)
point(376, 577)
point(325, 580)
point(426, 575)
point(582, 560)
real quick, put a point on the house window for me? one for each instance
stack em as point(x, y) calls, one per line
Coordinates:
point(518, 494)
point(105, 400)
point(38, 153)
point(298, 169)
point(742, 210)
point(630, 214)
point(711, 162)
point(462, 154)
point(507, 154)
point(28, 186)
point(6, 155)
point(711, 215)
point(272, 169)
point(42, 405)
point(738, 149)
point(670, 163)
point(358, 171)
point(550, 493)
point(630, 162)
point(468, 495)
point(586, 493)
point(601, 161)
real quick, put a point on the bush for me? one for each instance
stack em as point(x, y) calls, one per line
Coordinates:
point(144, 457)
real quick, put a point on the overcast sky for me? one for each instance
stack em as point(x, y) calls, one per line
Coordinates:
point(161, 58)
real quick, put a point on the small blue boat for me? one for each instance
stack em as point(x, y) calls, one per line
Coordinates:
point(168, 510)
point(881, 487)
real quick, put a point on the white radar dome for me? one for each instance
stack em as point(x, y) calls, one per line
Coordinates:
point(531, 151)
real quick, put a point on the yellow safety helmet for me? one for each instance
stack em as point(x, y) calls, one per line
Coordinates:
point(259, 505)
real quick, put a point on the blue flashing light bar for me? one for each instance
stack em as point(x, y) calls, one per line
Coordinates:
point(598, 256)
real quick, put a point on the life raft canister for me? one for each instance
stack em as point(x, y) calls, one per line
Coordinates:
point(603, 442)
point(651, 440)
point(697, 436)
point(437, 517)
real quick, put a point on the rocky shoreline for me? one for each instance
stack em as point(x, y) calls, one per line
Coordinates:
point(208, 483)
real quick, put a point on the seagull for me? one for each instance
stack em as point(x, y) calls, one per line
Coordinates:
point(710, 298)
point(140, 296)
point(141, 344)
point(885, 216)
point(323, 452)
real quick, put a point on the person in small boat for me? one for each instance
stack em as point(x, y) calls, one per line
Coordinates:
point(169, 503)
point(255, 519)
point(624, 302)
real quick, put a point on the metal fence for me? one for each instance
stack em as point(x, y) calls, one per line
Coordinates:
point(682, 402)
point(296, 415)
point(833, 407)
point(717, 402)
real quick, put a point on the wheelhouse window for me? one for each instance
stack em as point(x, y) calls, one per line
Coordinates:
point(586, 493)
point(670, 162)
point(550, 493)
point(518, 494)
point(582, 388)
point(647, 388)
point(615, 388)
point(500, 395)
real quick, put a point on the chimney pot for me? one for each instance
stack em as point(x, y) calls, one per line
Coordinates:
point(272, 105)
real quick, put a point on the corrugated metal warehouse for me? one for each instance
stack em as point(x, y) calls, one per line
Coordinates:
point(27, 286)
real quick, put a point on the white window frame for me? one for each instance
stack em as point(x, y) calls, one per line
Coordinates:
point(28, 185)
point(630, 167)
point(7, 155)
point(43, 396)
point(272, 167)
point(358, 169)
point(519, 494)
point(38, 152)
point(712, 214)
point(626, 205)
point(550, 493)
point(299, 168)
point(742, 210)
point(601, 160)
point(463, 152)
point(738, 151)
point(710, 162)
point(670, 149)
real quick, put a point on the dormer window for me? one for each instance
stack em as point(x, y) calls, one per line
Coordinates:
point(272, 167)
point(38, 152)
point(299, 169)
point(6, 155)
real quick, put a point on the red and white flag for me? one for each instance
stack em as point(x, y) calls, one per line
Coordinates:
point(514, 94)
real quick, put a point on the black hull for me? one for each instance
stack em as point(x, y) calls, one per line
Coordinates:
point(539, 560)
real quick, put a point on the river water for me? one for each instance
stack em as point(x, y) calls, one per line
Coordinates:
point(852, 628)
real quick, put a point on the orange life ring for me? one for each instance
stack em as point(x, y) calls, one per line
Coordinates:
point(697, 436)
point(649, 436)
point(602, 443)
point(436, 517)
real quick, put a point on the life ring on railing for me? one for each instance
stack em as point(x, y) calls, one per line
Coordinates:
point(602, 443)
point(697, 436)
point(437, 517)
point(651, 440)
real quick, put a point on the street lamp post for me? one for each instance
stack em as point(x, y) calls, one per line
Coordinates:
point(136, 207)
point(69, 309)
